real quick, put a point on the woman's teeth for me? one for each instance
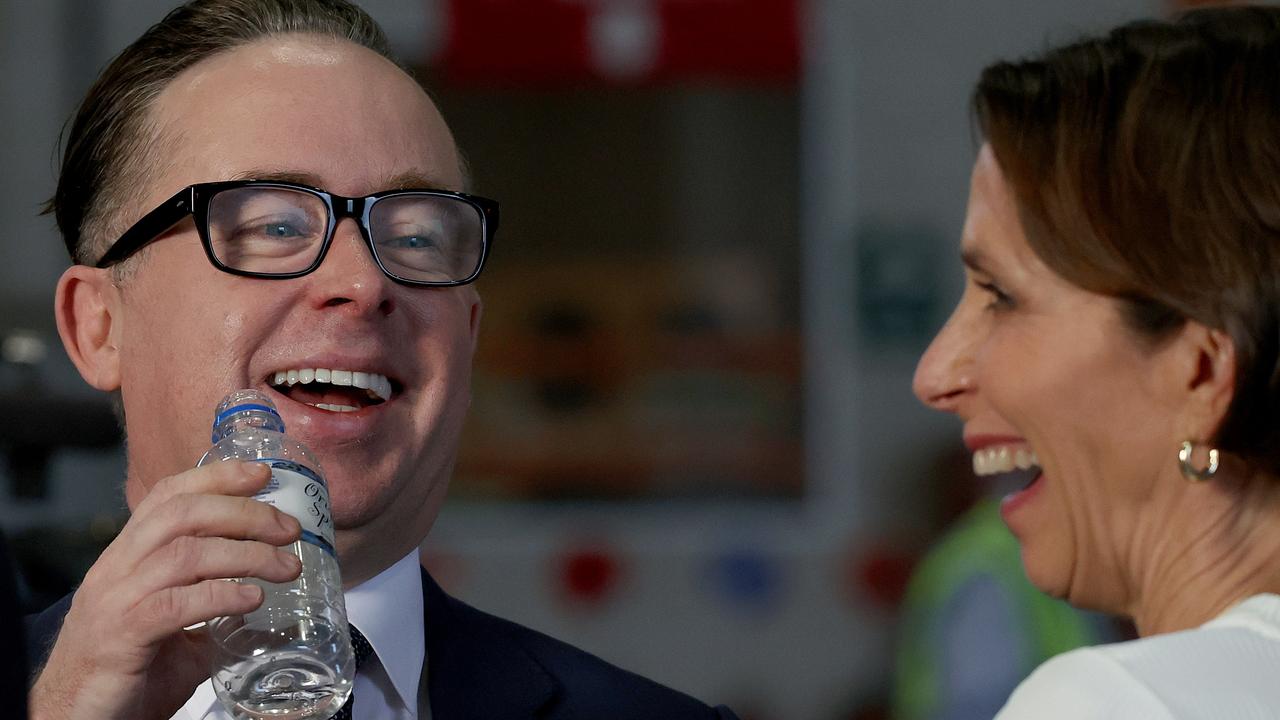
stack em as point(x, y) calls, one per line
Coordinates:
point(378, 386)
point(998, 460)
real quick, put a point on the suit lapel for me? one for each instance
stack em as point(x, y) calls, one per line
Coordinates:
point(476, 668)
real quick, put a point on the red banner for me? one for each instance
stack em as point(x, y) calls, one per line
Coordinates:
point(565, 42)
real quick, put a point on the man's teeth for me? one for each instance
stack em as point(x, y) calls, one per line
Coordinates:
point(378, 386)
point(334, 408)
point(996, 460)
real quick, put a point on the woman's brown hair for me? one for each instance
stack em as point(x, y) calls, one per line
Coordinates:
point(1146, 166)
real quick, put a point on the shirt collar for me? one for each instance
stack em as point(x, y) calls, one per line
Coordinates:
point(388, 610)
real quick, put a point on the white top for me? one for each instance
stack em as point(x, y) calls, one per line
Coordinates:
point(1226, 669)
point(388, 610)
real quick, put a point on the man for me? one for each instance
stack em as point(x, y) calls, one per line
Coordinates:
point(185, 290)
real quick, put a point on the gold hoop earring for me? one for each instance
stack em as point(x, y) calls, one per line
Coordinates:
point(1191, 472)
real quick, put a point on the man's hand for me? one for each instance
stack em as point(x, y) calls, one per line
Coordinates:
point(122, 651)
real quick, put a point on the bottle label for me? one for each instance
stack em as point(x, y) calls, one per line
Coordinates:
point(298, 491)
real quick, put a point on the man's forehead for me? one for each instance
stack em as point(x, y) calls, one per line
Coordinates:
point(269, 56)
point(310, 110)
point(415, 179)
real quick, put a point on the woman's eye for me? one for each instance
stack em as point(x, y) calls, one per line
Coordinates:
point(1000, 300)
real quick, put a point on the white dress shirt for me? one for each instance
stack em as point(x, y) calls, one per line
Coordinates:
point(1226, 669)
point(388, 610)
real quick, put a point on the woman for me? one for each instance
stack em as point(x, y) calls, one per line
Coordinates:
point(1119, 333)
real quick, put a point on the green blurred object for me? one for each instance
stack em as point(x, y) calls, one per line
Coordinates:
point(978, 549)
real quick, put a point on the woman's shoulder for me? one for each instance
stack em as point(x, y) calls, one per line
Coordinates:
point(1084, 684)
point(1225, 669)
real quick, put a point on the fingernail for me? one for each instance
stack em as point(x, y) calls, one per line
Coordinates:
point(250, 592)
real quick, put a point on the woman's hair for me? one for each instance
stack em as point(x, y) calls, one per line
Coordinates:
point(1146, 166)
point(112, 146)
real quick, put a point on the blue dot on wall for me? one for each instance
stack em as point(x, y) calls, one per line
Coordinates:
point(747, 579)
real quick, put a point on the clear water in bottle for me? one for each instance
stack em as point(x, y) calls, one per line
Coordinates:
point(290, 658)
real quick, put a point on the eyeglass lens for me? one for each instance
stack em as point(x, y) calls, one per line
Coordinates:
point(426, 238)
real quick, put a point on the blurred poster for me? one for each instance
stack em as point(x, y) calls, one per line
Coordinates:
point(559, 42)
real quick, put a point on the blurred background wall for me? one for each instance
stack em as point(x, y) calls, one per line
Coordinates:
point(729, 229)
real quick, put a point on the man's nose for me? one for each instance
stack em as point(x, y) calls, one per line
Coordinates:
point(349, 275)
point(945, 374)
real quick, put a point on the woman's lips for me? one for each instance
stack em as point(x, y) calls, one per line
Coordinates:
point(1019, 498)
point(1009, 465)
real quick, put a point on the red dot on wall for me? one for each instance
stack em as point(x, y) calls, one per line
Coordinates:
point(589, 575)
point(880, 573)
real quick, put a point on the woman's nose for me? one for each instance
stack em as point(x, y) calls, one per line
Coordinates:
point(945, 373)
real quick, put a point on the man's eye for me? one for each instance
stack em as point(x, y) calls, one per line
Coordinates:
point(411, 242)
point(281, 230)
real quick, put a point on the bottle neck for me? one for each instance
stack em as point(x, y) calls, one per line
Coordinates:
point(242, 417)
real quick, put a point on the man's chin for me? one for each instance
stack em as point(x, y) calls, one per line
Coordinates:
point(384, 514)
point(351, 517)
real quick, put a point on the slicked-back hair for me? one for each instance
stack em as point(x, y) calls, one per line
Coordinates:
point(1146, 166)
point(112, 146)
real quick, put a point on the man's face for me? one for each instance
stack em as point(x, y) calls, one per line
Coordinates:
point(335, 115)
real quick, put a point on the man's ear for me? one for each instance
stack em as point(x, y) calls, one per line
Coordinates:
point(86, 305)
point(1207, 364)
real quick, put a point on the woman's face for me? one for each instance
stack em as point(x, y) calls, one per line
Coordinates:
point(1046, 374)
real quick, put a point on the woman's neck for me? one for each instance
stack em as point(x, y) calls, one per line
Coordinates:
point(1220, 549)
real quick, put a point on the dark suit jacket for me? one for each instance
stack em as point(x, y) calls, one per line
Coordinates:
point(484, 668)
point(13, 664)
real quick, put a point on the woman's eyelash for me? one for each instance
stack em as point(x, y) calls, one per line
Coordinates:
point(999, 298)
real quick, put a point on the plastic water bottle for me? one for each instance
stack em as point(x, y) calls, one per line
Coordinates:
point(290, 658)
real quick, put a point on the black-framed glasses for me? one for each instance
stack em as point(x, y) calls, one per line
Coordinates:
point(282, 230)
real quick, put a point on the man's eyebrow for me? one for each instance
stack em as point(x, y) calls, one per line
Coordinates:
point(283, 176)
point(411, 179)
point(416, 180)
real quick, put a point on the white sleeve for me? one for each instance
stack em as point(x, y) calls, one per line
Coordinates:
point(1084, 684)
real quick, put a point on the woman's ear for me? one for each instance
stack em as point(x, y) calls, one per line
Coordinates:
point(1207, 357)
point(86, 305)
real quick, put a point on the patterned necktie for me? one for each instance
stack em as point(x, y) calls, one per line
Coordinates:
point(362, 649)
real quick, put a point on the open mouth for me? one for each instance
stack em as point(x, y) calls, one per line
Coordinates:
point(333, 390)
point(1012, 468)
